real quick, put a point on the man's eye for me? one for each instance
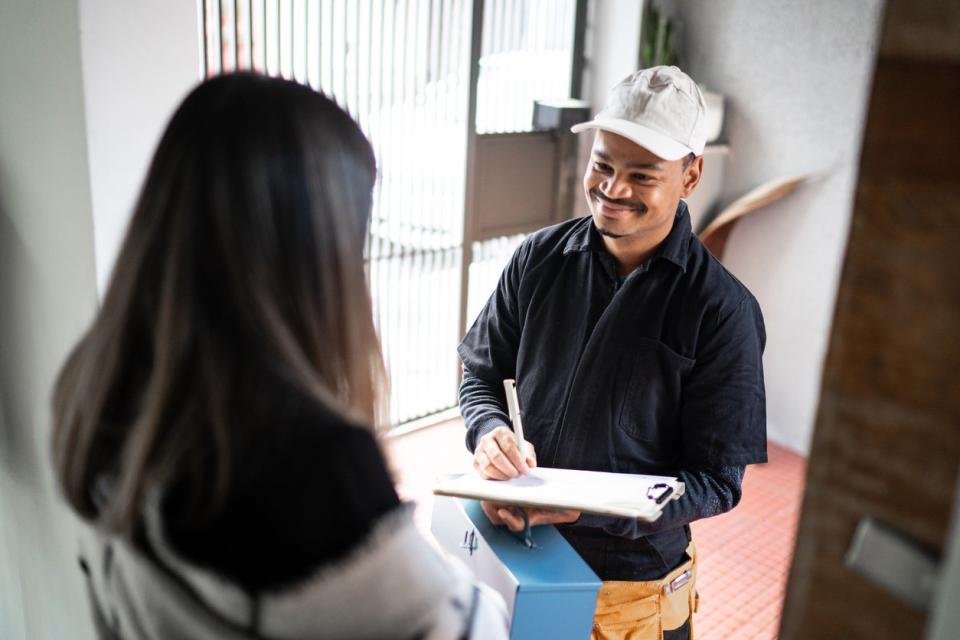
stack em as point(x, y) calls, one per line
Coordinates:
point(601, 166)
point(641, 177)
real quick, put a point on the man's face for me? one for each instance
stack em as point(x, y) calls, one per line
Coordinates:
point(631, 191)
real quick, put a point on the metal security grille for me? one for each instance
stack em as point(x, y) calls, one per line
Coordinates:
point(489, 259)
point(401, 68)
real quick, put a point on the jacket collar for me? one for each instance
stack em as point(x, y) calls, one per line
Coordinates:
point(675, 247)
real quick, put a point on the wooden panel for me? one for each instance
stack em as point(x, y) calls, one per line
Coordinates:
point(517, 179)
point(924, 29)
point(887, 439)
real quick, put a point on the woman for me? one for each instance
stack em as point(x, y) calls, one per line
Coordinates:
point(212, 425)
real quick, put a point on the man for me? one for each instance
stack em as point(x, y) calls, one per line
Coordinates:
point(634, 351)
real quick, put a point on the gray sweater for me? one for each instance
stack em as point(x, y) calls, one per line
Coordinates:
point(393, 585)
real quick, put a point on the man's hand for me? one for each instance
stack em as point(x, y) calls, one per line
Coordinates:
point(496, 456)
point(503, 514)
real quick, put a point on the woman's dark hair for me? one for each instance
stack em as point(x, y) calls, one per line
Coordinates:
point(245, 246)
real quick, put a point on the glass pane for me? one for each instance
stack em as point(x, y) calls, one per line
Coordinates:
point(527, 55)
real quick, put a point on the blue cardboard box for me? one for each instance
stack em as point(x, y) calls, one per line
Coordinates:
point(549, 590)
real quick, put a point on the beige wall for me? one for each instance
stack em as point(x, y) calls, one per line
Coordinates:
point(47, 296)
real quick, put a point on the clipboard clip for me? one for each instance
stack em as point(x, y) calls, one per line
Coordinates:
point(665, 491)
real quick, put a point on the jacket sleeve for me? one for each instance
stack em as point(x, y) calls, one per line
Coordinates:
point(489, 354)
point(482, 405)
point(708, 493)
point(723, 415)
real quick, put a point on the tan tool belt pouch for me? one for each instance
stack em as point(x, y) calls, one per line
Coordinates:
point(644, 610)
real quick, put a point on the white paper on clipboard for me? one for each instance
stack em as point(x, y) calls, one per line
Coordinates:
point(625, 495)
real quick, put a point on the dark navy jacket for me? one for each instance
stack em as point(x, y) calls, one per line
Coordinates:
point(659, 372)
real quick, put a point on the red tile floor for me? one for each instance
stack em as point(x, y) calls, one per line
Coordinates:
point(744, 555)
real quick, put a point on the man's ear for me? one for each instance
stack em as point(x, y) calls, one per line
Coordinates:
point(691, 176)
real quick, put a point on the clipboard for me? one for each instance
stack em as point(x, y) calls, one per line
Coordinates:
point(624, 495)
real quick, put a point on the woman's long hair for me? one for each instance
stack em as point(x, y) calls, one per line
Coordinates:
point(245, 248)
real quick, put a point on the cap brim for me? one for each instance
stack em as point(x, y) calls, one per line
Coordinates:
point(653, 141)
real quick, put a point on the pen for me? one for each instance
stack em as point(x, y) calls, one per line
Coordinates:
point(513, 405)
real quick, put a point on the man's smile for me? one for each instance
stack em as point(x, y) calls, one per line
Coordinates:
point(616, 208)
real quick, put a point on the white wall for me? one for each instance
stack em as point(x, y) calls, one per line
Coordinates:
point(797, 77)
point(612, 53)
point(943, 621)
point(47, 296)
point(139, 60)
point(613, 40)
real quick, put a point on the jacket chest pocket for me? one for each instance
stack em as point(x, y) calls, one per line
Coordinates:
point(650, 405)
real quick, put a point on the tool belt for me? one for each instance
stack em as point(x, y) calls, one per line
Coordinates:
point(644, 610)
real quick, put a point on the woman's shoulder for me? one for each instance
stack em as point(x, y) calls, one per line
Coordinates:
point(394, 584)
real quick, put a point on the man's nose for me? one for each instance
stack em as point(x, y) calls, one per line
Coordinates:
point(616, 188)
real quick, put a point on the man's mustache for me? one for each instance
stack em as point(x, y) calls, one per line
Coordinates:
point(639, 206)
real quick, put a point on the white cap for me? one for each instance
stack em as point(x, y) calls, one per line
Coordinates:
point(660, 108)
